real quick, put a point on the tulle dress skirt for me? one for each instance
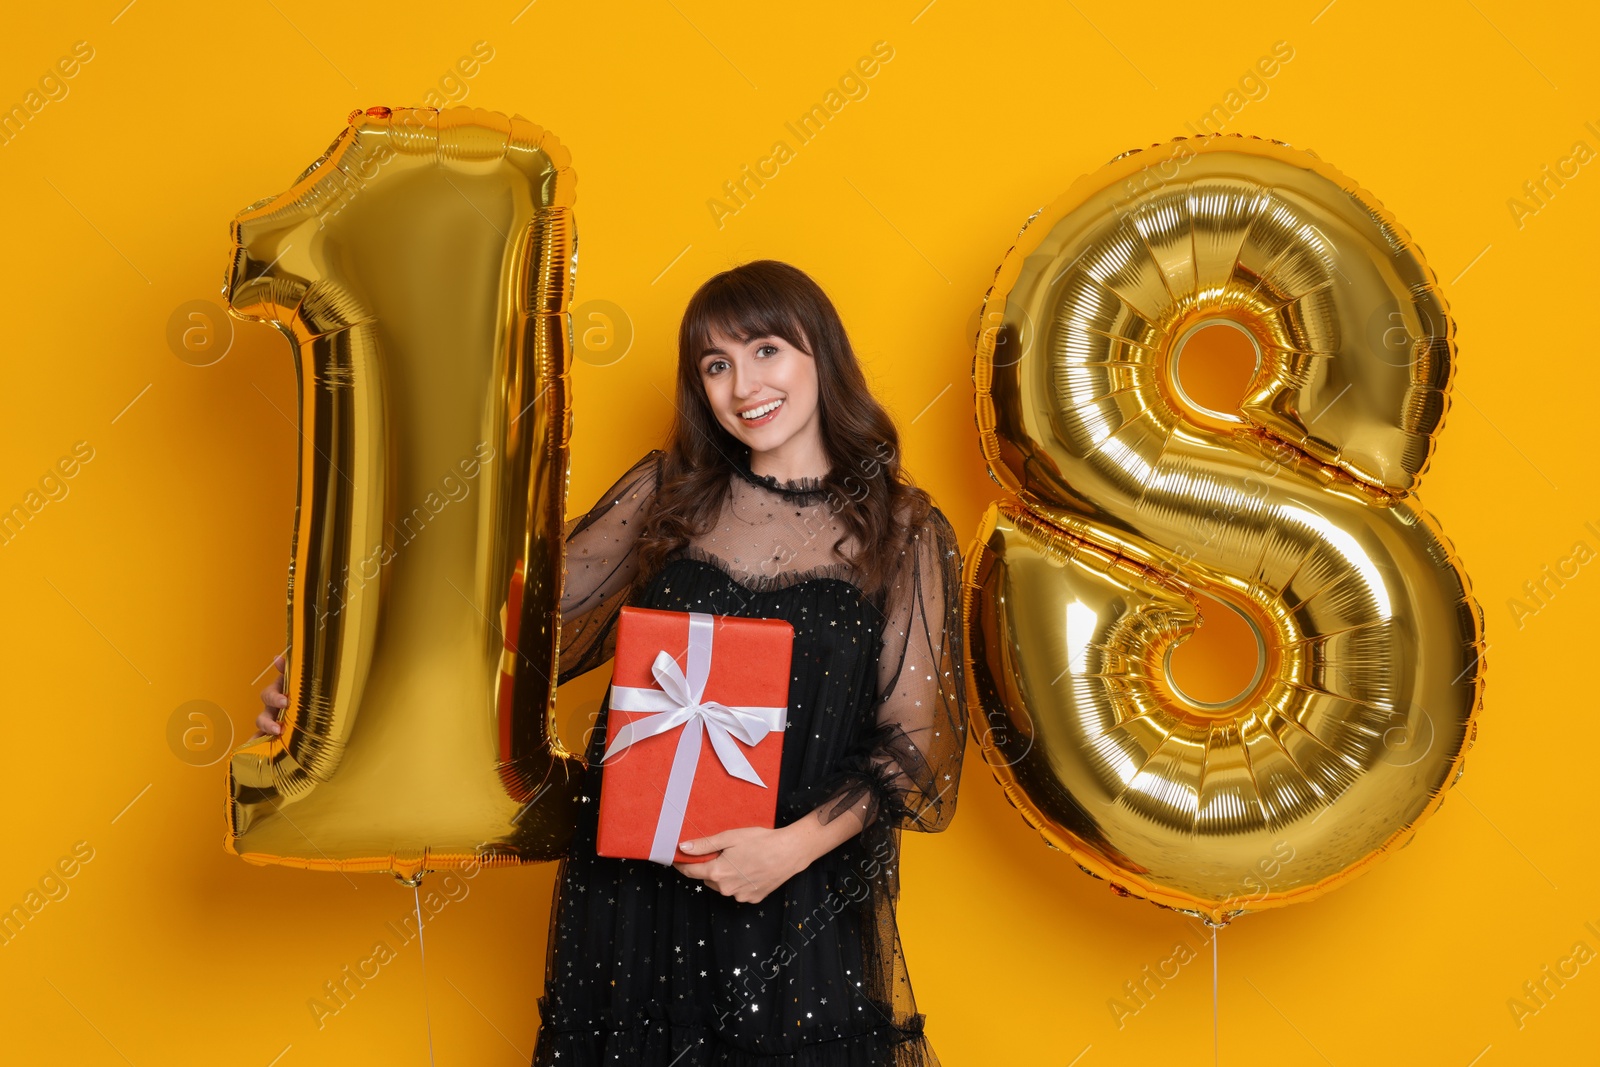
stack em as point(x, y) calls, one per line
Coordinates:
point(647, 966)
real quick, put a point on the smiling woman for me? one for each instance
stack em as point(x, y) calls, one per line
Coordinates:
point(751, 382)
point(779, 495)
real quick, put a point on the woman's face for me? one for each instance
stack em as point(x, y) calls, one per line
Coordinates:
point(766, 378)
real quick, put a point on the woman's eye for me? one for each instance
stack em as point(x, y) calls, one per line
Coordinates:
point(711, 368)
point(763, 348)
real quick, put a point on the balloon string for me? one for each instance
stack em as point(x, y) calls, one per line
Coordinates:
point(1216, 1053)
point(422, 951)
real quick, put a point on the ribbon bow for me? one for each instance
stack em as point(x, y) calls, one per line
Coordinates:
point(679, 702)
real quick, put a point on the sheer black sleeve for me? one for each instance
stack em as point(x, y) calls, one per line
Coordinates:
point(601, 566)
point(906, 770)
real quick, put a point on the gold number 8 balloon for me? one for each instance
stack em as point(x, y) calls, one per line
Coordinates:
point(421, 271)
point(1297, 511)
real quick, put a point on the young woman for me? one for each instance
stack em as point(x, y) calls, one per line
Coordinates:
point(779, 495)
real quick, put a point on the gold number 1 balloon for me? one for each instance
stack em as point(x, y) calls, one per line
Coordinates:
point(421, 270)
point(1296, 510)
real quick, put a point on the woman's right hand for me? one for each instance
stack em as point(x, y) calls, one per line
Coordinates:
point(273, 698)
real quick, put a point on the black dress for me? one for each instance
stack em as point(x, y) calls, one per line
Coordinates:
point(647, 966)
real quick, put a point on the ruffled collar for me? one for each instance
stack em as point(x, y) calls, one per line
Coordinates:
point(800, 490)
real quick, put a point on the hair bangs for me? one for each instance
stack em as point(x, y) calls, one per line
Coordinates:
point(743, 313)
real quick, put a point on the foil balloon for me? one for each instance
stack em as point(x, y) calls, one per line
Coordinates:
point(420, 270)
point(1133, 499)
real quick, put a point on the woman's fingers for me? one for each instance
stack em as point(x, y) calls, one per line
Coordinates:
point(715, 878)
point(273, 696)
point(273, 699)
point(699, 846)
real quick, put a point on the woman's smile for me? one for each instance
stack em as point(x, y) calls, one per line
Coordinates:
point(762, 413)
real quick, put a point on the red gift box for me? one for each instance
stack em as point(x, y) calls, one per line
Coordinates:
point(694, 736)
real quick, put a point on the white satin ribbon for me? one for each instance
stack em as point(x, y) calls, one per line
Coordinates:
point(678, 702)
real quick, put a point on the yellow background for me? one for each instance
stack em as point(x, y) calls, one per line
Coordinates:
point(159, 578)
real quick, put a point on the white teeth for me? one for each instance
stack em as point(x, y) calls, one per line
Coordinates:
point(756, 413)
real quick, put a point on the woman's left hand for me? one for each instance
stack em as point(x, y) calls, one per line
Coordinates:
point(752, 861)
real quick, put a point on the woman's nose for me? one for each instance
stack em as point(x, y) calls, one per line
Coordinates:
point(746, 385)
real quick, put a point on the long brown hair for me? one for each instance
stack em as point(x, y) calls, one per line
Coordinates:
point(866, 486)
